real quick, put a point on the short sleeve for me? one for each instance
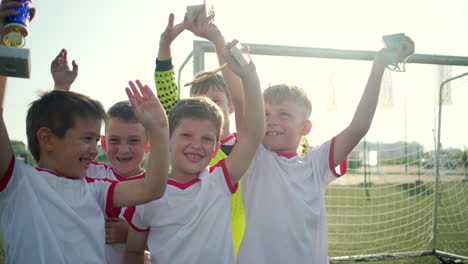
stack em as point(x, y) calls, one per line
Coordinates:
point(134, 216)
point(103, 190)
point(259, 154)
point(220, 175)
point(321, 161)
point(14, 178)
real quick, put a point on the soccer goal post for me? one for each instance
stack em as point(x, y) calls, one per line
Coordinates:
point(406, 190)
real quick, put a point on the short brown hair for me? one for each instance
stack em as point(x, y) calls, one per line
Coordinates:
point(58, 110)
point(122, 110)
point(283, 92)
point(216, 81)
point(200, 108)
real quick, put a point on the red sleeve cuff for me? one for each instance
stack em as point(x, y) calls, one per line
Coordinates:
point(222, 164)
point(343, 165)
point(110, 210)
point(128, 215)
point(9, 172)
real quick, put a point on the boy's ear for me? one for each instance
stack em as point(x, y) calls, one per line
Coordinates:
point(103, 143)
point(148, 146)
point(45, 138)
point(216, 150)
point(307, 127)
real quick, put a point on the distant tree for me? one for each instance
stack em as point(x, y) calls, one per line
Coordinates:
point(21, 152)
point(101, 157)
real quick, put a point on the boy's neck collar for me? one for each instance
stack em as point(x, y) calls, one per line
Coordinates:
point(120, 177)
point(56, 173)
point(287, 155)
point(183, 179)
point(228, 138)
point(182, 185)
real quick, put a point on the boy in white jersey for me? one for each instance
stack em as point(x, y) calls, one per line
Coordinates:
point(216, 87)
point(191, 223)
point(54, 212)
point(283, 193)
point(125, 144)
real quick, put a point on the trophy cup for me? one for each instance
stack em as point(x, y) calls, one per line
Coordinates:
point(196, 10)
point(14, 60)
point(395, 42)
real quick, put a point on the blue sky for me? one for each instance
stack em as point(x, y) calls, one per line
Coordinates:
point(116, 41)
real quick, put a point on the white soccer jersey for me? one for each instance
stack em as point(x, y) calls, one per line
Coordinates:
point(284, 203)
point(191, 223)
point(47, 218)
point(115, 253)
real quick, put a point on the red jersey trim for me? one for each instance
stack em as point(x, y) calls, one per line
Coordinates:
point(233, 135)
point(182, 185)
point(222, 164)
point(9, 172)
point(110, 210)
point(128, 215)
point(287, 155)
point(343, 165)
point(119, 177)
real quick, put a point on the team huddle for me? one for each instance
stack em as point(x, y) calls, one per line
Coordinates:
point(176, 208)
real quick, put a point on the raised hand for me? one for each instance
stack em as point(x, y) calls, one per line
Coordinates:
point(243, 71)
point(167, 37)
point(61, 73)
point(146, 107)
point(203, 27)
point(388, 56)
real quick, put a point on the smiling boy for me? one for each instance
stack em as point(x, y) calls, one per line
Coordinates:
point(54, 212)
point(284, 193)
point(125, 143)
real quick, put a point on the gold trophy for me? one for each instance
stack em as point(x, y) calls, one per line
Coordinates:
point(196, 11)
point(15, 61)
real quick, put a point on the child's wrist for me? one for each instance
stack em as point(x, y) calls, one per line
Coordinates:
point(217, 39)
point(380, 61)
point(250, 76)
point(63, 87)
point(164, 45)
point(157, 127)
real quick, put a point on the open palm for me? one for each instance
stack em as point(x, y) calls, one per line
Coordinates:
point(60, 70)
point(146, 107)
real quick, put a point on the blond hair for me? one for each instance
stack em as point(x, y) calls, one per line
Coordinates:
point(283, 92)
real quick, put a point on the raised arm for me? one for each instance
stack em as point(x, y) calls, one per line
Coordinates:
point(164, 75)
point(253, 126)
point(61, 73)
point(360, 124)
point(205, 28)
point(5, 145)
point(151, 115)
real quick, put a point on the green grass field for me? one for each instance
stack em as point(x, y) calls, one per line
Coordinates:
point(395, 218)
